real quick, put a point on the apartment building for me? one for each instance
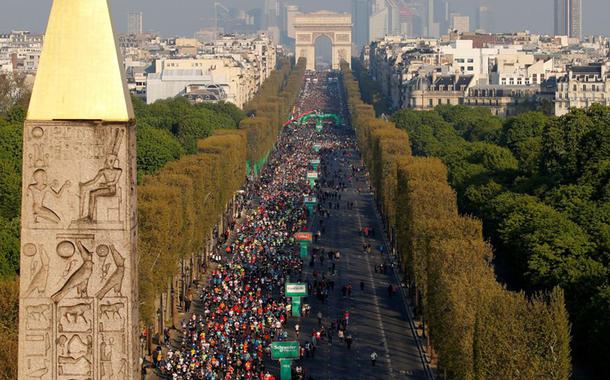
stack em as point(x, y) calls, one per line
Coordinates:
point(583, 86)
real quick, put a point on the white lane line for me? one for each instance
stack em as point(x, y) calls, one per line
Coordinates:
point(376, 300)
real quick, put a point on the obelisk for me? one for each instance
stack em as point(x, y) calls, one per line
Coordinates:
point(78, 313)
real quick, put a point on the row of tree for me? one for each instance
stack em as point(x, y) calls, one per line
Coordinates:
point(478, 328)
point(541, 185)
point(267, 111)
point(202, 184)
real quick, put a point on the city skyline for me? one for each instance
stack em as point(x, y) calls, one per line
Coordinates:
point(192, 15)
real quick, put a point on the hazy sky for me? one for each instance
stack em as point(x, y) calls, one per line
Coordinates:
point(184, 17)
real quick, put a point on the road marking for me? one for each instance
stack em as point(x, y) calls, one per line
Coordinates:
point(410, 318)
point(376, 301)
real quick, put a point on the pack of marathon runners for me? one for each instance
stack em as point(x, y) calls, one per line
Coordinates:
point(241, 308)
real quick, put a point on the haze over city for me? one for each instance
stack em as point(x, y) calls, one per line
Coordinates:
point(184, 17)
point(305, 189)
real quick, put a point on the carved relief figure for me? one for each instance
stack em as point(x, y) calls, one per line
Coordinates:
point(78, 359)
point(106, 358)
point(39, 279)
point(73, 313)
point(39, 190)
point(38, 373)
point(62, 345)
point(38, 159)
point(112, 311)
point(115, 281)
point(38, 313)
point(80, 278)
point(104, 184)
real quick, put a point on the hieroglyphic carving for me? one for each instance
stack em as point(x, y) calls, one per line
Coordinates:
point(78, 200)
point(115, 281)
point(40, 275)
point(78, 357)
point(80, 278)
point(112, 310)
point(104, 184)
point(39, 190)
point(112, 327)
point(78, 252)
point(40, 372)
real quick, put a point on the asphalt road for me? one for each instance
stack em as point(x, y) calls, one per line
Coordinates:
point(378, 322)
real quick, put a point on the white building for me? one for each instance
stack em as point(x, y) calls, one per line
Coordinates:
point(583, 86)
point(521, 69)
point(230, 68)
point(172, 77)
point(20, 52)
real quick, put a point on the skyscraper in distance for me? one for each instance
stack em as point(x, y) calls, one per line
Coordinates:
point(441, 15)
point(568, 18)
point(135, 23)
point(485, 21)
point(361, 11)
point(272, 13)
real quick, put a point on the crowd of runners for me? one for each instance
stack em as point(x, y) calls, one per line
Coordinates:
point(242, 309)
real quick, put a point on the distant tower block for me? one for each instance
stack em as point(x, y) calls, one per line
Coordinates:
point(135, 23)
point(78, 296)
point(311, 26)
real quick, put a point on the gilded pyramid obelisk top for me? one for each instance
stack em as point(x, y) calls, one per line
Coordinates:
point(80, 75)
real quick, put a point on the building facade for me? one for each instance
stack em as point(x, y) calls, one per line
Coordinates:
point(583, 86)
point(507, 73)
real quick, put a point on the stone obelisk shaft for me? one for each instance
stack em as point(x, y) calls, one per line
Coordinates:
point(78, 298)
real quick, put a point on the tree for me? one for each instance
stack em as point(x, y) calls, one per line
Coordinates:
point(225, 108)
point(548, 248)
point(10, 190)
point(13, 92)
point(561, 143)
point(156, 147)
point(11, 141)
point(474, 124)
point(9, 314)
point(10, 247)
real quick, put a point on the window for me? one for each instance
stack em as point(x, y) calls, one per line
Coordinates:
point(460, 60)
point(430, 103)
point(440, 101)
point(575, 88)
point(584, 87)
point(448, 101)
point(470, 68)
point(470, 60)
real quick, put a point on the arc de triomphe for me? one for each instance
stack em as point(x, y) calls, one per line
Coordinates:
point(311, 26)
